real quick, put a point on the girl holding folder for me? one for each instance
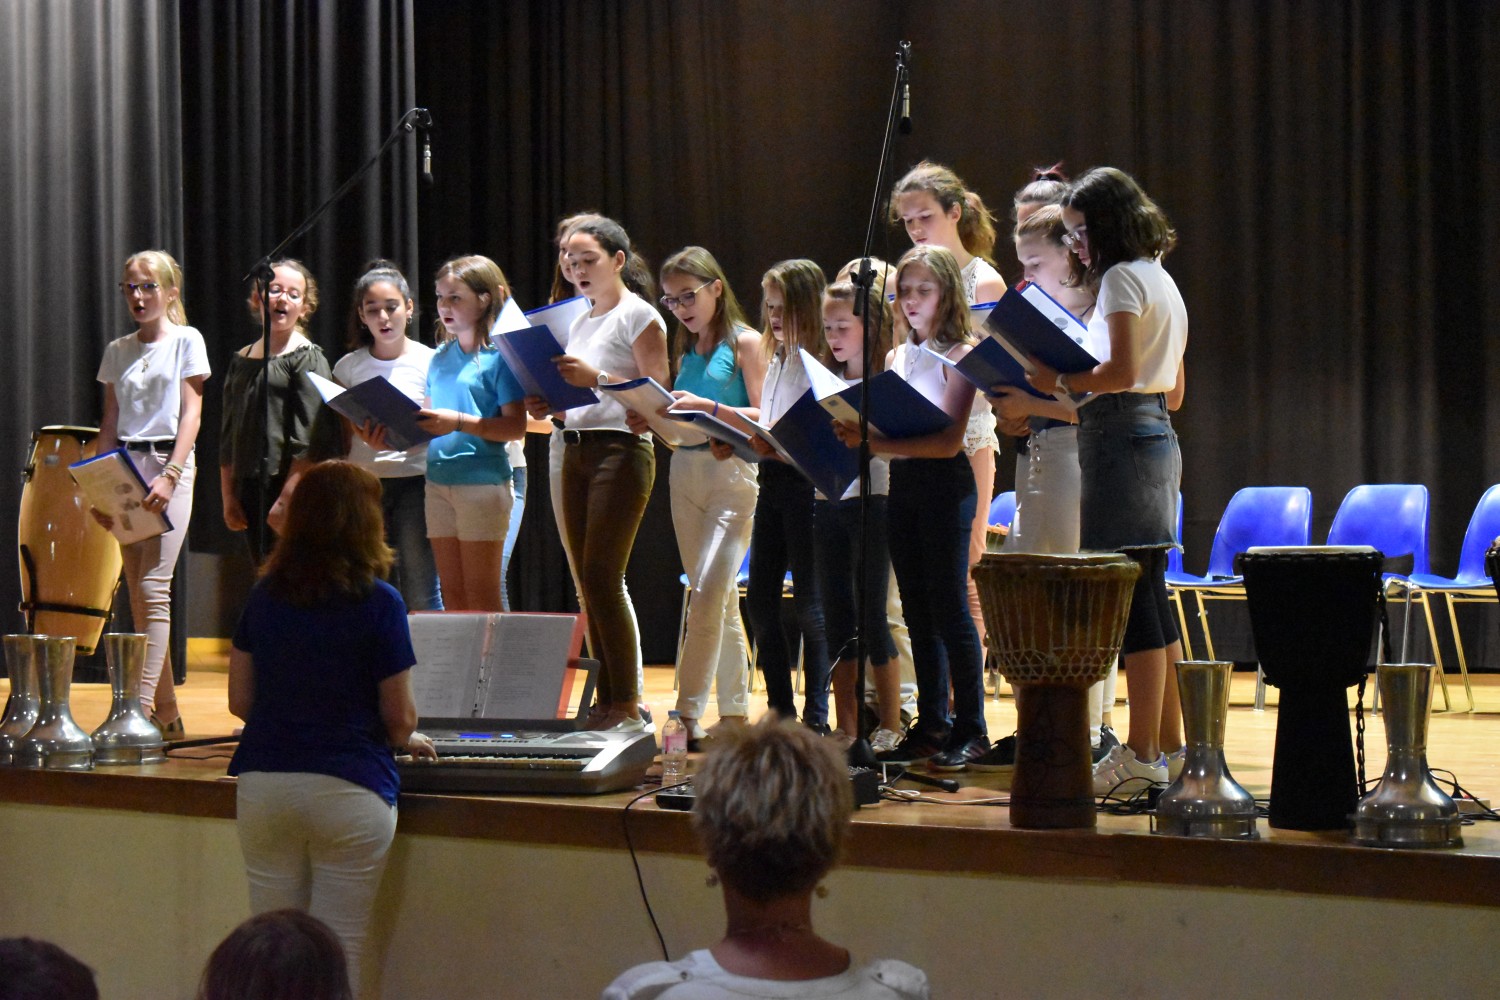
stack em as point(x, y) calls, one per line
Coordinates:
point(475, 407)
point(153, 406)
point(1127, 450)
point(720, 370)
point(931, 505)
point(608, 470)
point(792, 314)
point(380, 316)
point(938, 210)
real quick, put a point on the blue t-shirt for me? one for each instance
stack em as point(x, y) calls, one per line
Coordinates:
point(317, 675)
point(714, 377)
point(478, 384)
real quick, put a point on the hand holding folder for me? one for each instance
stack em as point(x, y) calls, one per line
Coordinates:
point(531, 349)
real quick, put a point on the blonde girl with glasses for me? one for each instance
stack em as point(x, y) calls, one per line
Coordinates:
point(153, 406)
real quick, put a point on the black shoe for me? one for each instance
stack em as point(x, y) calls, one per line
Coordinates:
point(959, 755)
point(915, 746)
point(1107, 741)
point(999, 759)
point(821, 728)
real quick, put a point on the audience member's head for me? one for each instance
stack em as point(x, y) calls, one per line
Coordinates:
point(39, 970)
point(772, 810)
point(280, 955)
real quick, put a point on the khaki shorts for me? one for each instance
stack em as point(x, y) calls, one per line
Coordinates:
point(469, 513)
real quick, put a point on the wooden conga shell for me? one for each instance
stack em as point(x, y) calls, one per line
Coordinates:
point(69, 565)
point(1054, 624)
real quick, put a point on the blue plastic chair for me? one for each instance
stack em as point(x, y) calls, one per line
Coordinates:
point(1256, 515)
point(1003, 510)
point(1471, 585)
point(1391, 517)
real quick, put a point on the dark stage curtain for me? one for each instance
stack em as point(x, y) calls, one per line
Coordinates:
point(281, 101)
point(1330, 169)
point(90, 172)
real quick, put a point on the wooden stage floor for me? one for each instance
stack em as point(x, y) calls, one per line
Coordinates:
point(1468, 745)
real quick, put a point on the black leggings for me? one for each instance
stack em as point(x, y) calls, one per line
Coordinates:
point(1150, 625)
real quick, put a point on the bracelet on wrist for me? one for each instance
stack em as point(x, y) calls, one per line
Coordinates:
point(716, 407)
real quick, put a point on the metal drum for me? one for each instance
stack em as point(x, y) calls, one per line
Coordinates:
point(1054, 624)
point(126, 736)
point(55, 741)
point(1314, 612)
point(23, 704)
point(1407, 808)
point(1205, 800)
point(69, 565)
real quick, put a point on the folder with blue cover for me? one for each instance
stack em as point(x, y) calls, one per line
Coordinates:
point(529, 347)
point(1031, 323)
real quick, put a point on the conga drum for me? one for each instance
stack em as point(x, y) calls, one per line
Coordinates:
point(69, 565)
point(1313, 613)
point(1054, 624)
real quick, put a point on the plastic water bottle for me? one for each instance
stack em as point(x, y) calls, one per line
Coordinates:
point(673, 750)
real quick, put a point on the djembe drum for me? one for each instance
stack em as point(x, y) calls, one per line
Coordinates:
point(1313, 613)
point(70, 566)
point(1054, 624)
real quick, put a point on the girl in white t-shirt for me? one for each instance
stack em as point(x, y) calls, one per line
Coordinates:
point(607, 470)
point(938, 210)
point(153, 405)
point(380, 318)
point(1127, 450)
point(782, 538)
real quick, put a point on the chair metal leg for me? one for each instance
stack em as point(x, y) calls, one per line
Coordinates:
point(1437, 653)
point(1458, 644)
point(1175, 596)
point(1208, 635)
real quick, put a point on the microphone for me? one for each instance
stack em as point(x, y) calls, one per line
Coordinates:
point(904, 56)
point(423, 122)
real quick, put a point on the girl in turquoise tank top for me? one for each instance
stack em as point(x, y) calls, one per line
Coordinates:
point(718, 368)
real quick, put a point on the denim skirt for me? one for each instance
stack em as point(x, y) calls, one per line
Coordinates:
point(1131, 472)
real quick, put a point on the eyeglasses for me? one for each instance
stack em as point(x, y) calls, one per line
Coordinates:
point(670, 303)
point(1076, 238)
point(290, 294)
point(145, 287)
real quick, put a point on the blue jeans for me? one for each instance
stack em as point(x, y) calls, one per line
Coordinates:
point(1130, 469)
point(782, 538)
point(403, 500)
point(518, 491)
point(931, 508)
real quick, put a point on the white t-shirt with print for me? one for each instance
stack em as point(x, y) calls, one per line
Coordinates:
point(148, 380)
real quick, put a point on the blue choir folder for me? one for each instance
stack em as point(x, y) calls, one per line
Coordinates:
point(804, 438)
point(376, 400)
point(897, 409)
point(529, 347)
point(989, 365)
point(1031, 323)
point(717, 429)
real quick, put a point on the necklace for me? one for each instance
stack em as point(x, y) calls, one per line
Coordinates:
point(1085, 314)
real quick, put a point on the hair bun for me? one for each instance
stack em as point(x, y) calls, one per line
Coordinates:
point(1052, 173)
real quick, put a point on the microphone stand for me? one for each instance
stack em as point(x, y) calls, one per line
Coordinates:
point(262, 274)
point(860, 754)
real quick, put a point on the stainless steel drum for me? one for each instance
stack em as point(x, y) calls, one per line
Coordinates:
point(126, 736)
point(55, 741)
point(1407, 808)
point(21, 708)
point(1205, 800)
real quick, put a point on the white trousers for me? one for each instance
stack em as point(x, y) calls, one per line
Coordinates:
point(149, 565)
point(713, 508)
point(316, 843)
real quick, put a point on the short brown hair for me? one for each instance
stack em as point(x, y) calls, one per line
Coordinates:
point(773, 809)
point(334, 543)
point(279, 955)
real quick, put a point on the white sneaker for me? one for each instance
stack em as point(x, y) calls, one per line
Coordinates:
point(883, 740)
point(1122, 765)
point(1175, 760)
point(614, 723)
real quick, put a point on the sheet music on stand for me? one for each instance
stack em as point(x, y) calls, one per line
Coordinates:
point(494, 665)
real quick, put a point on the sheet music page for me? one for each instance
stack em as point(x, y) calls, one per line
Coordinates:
point(525, 664)
point(449, 647)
